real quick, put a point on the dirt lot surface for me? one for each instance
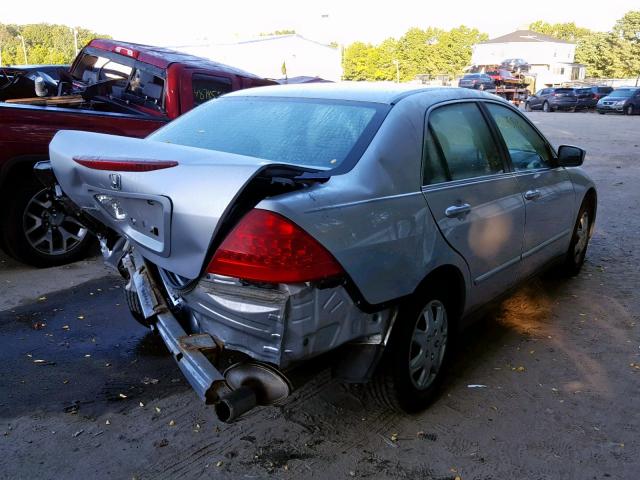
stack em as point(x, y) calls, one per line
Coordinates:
point(86, 393)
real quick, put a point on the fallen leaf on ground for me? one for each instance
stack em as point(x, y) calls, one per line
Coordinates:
point(80, 317)
point(122, 395)
point(108, 422)
point(158, 410)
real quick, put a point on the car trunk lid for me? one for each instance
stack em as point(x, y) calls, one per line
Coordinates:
point(170, 200)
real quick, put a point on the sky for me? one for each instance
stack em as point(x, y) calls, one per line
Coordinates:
point(344, 21)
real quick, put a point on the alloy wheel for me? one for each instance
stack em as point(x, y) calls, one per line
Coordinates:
point(428, 344)
point(582, 234)
point(47, 228)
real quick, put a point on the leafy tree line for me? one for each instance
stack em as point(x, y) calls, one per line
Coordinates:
point(614, 54)
point(431, 51)
point(43, 42)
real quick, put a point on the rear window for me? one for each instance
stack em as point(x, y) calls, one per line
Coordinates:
point(472, 75)
point(317, 133)
point(583, 91)
point(604, 89)
point(564, 90)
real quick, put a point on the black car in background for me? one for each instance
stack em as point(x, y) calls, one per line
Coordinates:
point(621, 100)
point(586, 98)
point(477, 81)
point(601, 91)
point(552, 99)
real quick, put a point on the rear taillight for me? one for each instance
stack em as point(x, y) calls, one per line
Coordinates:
point(267, 247)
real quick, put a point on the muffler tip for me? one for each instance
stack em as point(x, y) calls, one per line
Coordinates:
point(234, 404)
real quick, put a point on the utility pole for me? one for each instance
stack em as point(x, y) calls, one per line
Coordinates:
point(75, 39)
point(24, 49)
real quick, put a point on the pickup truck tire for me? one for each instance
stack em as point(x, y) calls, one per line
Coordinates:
point(37, 232)
point(411, 370)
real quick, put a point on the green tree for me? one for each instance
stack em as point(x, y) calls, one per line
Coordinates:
point(627, 33)
point(429, 51)
point(44, 43)
point(569, 31)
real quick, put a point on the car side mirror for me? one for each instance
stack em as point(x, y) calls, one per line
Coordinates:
point(570, 156)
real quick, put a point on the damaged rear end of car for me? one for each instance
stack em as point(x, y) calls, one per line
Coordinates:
point(240, 294)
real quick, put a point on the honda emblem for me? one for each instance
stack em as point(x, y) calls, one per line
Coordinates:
point(116, 182)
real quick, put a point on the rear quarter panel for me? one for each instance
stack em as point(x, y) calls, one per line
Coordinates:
point(374, 219)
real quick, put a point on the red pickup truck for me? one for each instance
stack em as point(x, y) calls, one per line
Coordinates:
point(111, 87)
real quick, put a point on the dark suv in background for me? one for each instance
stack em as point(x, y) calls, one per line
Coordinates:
point(601, 91)
point(586, 98)
point(621, 100)
point(477, 81)
point(551, 99)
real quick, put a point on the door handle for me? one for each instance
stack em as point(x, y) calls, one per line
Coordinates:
point(531, 194)
point(457, 210)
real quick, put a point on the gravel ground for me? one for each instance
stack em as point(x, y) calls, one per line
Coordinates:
point(86, 393)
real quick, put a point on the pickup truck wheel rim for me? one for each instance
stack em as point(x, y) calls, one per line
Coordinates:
point(47, 228)
point(428, 344)
point(582, 235)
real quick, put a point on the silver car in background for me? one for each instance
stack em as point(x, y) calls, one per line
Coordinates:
point(276, 225)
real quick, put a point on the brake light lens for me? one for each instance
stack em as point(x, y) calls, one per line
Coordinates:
point(267, 247)
point(126, 51)
point(124, 165)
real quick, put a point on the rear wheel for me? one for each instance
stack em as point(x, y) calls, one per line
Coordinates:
point(133, 302)
point(577, 251)
point(412, 369)
point(546, 107)
point(36, 229)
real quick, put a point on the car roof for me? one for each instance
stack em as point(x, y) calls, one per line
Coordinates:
point(163, 57)
point(376, 92)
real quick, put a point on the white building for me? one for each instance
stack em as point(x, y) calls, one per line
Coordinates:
point(265, 56)
point(551, 59)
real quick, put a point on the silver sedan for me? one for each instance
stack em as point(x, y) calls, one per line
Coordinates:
point(364, 223)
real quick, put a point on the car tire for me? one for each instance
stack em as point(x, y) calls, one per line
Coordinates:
point(37, 232)
point(527, 107)
point(602, 113)
point(574, 258)
point(412, 368)
point(546, 107)
point(628, 110)
point(133, 302)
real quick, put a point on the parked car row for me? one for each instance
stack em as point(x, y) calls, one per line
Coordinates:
point(601, 98)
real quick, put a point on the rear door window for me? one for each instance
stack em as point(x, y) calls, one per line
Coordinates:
point(207, 87)
point(526, 147)
point(459, 145)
